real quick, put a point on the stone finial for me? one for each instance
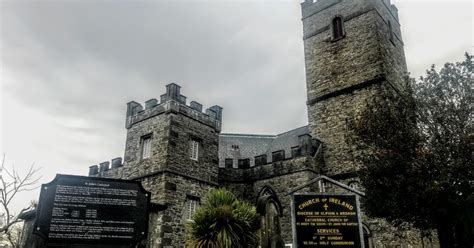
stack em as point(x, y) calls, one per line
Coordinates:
point(104, 166)
point(93, 170)
point(116, 162)
point(196, 106)
point(151, 103)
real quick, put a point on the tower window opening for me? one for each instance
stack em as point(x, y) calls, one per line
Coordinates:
point(192, 203)
point(146, 146)
point(337, 28)
point(194, 149)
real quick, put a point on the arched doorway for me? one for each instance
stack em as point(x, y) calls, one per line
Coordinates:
point(270, 210)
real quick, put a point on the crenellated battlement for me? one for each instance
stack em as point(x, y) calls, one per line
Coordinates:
point(311, 7)
point(105, 166)
point(271, 170)
point(173, 101)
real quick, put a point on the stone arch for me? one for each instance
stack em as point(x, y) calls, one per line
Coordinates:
point(367, 235)
point(270, 210)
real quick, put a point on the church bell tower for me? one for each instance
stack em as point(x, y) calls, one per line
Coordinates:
point(353, 51)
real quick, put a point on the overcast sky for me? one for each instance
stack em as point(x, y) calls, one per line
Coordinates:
point(69, 67)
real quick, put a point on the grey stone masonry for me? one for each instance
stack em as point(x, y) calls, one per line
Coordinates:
point(159, 153)
point(353, 52)
point(342, 74)
point(280, 176)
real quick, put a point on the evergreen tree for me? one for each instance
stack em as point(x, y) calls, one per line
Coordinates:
point(417, 154)
point(223, 221)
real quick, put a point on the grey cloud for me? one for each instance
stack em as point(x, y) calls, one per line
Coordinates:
point(87, 57)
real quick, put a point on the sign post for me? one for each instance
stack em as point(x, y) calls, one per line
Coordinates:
point(92, 211)
point(326, 220)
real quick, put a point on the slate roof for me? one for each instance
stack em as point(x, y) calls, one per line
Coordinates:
point(242, 146)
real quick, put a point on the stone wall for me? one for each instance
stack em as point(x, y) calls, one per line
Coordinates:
point(335, 65)
point(343, 74)
point(182, 130)
point(158, 128)
point(282, 185)
point(169, 173)
point(167, 228)
point(329, 119)
point(281, 177)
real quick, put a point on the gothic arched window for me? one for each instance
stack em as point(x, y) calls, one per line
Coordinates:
point(337, 28)
point(270, 210)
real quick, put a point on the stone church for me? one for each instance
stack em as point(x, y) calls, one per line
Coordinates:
point(353, 52)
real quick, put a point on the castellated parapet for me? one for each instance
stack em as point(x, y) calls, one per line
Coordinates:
point(172, 148)
point(160, 121)
point(311, 7)
point(172, 100)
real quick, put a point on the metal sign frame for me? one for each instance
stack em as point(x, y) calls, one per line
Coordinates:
point(357, 194)
point(41, 214)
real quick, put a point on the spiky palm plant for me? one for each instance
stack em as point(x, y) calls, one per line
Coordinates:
point(223, 221)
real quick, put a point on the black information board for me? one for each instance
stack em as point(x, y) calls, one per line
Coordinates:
point(89, 210)
point(326, 220)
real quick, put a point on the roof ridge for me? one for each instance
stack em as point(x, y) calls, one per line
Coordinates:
point(291, 130)
point(248, 135)
point(262, 135)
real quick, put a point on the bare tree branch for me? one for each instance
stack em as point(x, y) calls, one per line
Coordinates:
point(11, 183)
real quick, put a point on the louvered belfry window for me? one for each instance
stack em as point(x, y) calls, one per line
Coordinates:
point(337, 29)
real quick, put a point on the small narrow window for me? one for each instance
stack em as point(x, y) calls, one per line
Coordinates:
point(194, 149)
point(337, 28)
point(278, 155)
point(229, 163)
point(261, 160)
point(244, 163)
point(390, 32)
point(192, 203)
point(146, 146)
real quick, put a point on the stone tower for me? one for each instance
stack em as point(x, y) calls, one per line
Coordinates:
point(172, 148)
point(353, 51)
